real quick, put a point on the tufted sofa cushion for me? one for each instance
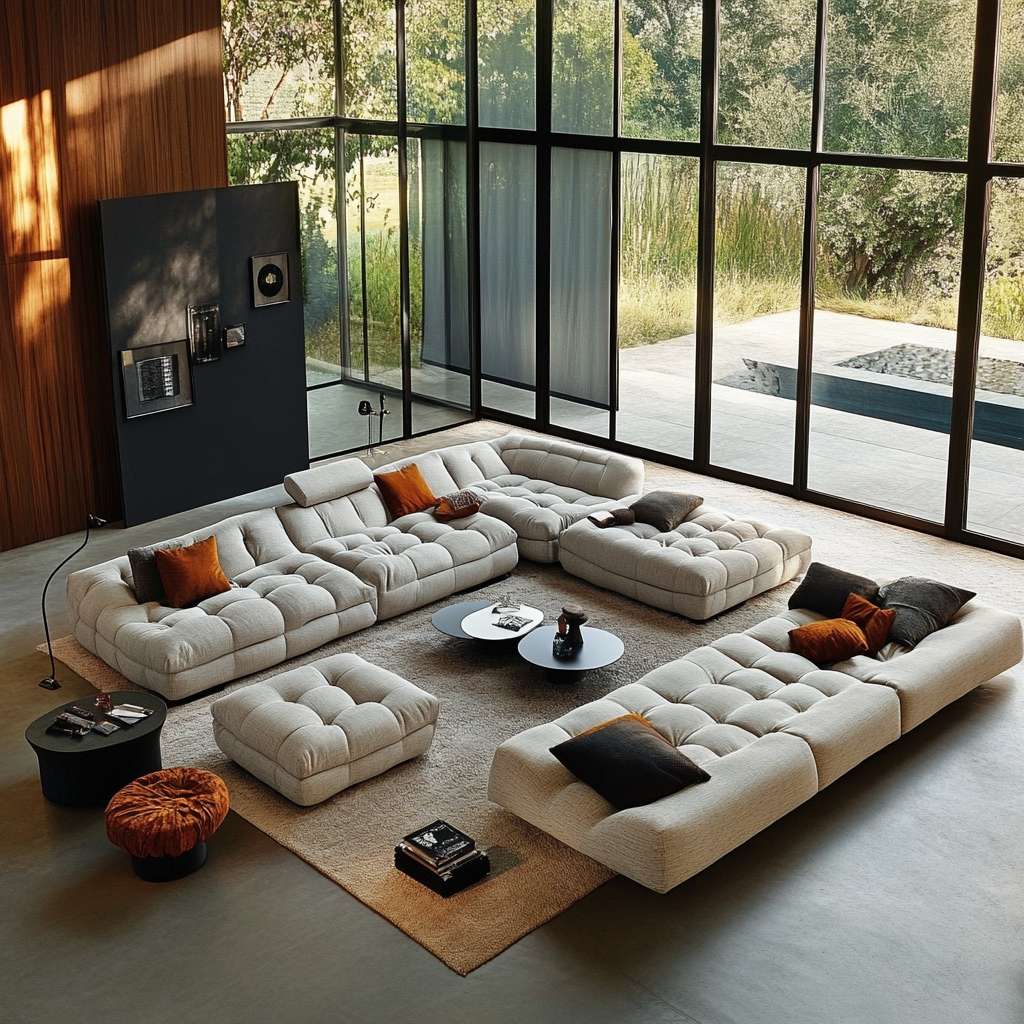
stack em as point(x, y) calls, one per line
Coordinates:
point(283, 602)
point(711, 562)
point(768, 726)
point(316, 730)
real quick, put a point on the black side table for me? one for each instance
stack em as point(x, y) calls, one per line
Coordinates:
point(83, 771)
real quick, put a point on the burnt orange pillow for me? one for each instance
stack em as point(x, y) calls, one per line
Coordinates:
point(192, 573)
point(405, 491)
point(874, 621)
point(828, 640)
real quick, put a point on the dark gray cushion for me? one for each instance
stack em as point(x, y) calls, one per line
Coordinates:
point(145, 578)
point(628, 762)
point(922, 606)
point(825, 589)
point(665, 510)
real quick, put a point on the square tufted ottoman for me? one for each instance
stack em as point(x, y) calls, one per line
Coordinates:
point(313, 731)
point(711, 562)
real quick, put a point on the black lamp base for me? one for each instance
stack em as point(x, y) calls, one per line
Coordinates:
point(49, 683)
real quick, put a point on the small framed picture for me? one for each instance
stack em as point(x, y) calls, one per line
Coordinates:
point(270, 279)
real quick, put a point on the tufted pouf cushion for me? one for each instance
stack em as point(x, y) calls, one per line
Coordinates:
point(313, 731)
point(167, 814)
point(711, 562)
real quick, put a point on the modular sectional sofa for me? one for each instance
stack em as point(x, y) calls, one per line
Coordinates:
point(332, 562)
point(770, 728)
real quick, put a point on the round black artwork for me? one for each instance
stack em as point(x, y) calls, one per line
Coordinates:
point(270, 280)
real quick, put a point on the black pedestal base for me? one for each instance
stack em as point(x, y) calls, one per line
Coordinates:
point(167, 869)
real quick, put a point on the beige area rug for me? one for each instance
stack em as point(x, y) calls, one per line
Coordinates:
point(487, 694)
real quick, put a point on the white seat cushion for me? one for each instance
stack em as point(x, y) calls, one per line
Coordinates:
point(711, 562)
point(316, 730)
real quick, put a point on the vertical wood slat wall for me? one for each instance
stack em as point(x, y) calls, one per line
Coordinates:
point(98, 99)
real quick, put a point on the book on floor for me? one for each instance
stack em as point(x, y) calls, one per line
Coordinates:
point(438, 844)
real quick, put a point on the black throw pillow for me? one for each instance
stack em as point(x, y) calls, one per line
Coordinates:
point(824, 590)
point(146, 580)
point(628, 762)
point(922, 607)
point(665, 510)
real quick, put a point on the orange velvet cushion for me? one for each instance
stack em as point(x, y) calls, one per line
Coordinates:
point(166, 813)
point(874, 621)
point(828, 640)
point(192, 573)
point(405, 491)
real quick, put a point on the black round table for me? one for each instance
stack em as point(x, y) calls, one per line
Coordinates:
point(83, 771)
point(449, 619)
point(600, 649)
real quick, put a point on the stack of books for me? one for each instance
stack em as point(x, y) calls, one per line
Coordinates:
point(442, 858)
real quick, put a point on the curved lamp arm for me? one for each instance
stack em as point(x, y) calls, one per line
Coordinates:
point(91, 522)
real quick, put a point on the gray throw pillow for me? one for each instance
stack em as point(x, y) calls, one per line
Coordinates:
point(922, 607)
point(665, 510)
point(825, 589)
point(146, 580)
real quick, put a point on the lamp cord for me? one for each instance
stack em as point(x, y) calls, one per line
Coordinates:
point(46, 625)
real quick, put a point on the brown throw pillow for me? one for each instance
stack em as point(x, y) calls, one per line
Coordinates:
point(875, 622)
point(828, 640)
point(457, 506)
point(665, 510)
point(192, 573)
point(628, 762)
point(405, 491)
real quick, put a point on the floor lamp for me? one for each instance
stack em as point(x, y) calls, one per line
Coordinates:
point(92, 522)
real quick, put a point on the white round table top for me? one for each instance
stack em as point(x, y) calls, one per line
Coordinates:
point(481, 624)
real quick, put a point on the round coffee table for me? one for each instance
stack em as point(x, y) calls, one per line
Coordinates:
point(600, 649)
point(82, 771)
point(480, 625)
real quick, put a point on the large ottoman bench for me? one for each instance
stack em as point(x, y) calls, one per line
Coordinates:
point(711, 562)
point(313, 731)
point(769, 727)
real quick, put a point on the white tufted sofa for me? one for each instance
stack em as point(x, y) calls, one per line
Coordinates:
point(537, 485)
point(711, 562)
point(303, 574)
point(769, 727)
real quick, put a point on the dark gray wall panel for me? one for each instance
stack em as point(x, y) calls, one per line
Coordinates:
point(247, 427)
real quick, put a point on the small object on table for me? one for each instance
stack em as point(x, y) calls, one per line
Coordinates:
point(86, 770)
point(164, 819)
point(600, 649)
point(441, 857)
point(103, 702)
point(568, 638)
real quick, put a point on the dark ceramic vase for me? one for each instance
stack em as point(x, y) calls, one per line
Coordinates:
point(569, 637)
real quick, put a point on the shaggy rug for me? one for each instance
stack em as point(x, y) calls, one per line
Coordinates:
point(487, 694)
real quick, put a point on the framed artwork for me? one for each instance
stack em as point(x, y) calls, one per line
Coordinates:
point(156, 378)
point(270, 279)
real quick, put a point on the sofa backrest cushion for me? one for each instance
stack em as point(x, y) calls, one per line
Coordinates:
point(325, 483)
point(451, 469)
point(603, 474)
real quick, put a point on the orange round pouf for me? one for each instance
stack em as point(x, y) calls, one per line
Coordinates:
point(167, 813)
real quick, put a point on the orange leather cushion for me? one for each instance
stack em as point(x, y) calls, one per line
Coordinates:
point(828, 640)
point(191, 574)
point(874, 621)
point(166, 813)
point(405, 491)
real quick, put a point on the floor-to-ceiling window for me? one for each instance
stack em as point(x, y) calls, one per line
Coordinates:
point(315, 92)
point(777, 240)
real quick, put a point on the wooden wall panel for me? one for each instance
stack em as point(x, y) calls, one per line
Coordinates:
point(98, 99)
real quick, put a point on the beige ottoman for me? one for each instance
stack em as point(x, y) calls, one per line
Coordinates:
point(316, 730)
point(711, 562)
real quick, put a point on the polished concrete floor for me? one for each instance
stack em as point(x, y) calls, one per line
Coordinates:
point(894, 897)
